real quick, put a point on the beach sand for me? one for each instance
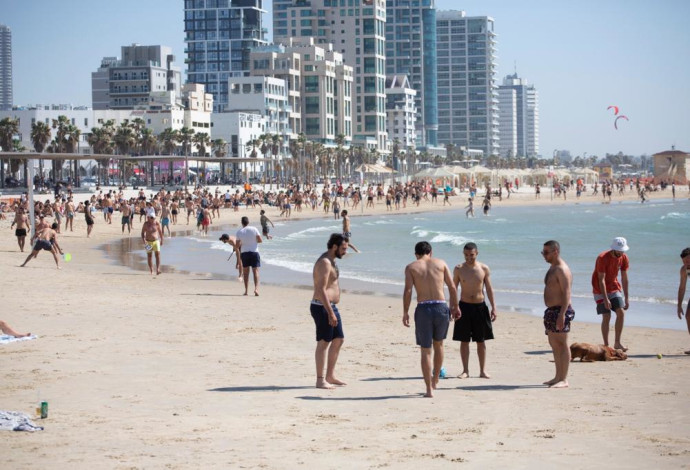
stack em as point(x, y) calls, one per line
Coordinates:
point(182, 371)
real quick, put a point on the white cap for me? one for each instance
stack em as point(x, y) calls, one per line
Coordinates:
point(620, 244)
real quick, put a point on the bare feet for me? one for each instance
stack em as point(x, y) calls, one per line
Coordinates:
point(551, 382)
point(245, 293)
point(334, 381)
point(621, 347)
point(429, 395)
point(484, 375)
point(560, 384)
point(434, 381)
point(687, 352)
point(256, 294)
point(321, 383)
point(464, 375)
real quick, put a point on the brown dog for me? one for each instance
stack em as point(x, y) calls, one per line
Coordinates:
point(596, 352)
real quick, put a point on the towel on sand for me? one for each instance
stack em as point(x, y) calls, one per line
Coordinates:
point(4, 339)
point(16, 421)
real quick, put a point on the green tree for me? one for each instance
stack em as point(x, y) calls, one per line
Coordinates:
point(184, 137)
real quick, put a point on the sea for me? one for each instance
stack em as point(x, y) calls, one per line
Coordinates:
point(509, 241)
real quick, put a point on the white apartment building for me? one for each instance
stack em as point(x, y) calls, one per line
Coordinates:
point(239, 129)
point(401, 111)
point(358, 32)
point(467, 91)
point(127, 83)
point(527, 114)
point(507, 122)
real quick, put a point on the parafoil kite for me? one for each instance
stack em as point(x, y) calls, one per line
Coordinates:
point(615, 123)
point(615, 109)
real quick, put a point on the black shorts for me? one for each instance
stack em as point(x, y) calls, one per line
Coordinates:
point(474, 324)
point(43, 245)
point(251, 259)
point(264, 230)
point(20, 232)
point(324, 330)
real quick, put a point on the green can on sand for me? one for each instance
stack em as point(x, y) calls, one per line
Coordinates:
point(659, 356)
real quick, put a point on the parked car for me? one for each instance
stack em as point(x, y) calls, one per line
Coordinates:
point(89, 182)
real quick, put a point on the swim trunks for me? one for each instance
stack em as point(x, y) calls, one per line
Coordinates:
point(110, 210)
point(616, 299)
point(43, 245)
point(70, 215)
point(20, 232)
point(165, 221)
point(89, 220)
point(174, 212)
point(324, 331)
point(347, 235)
point(264, 229)
point(125, 220)
point(152, 246)
point(431, 321)
point(474, 324)
point(551, 317)
point(251, 259)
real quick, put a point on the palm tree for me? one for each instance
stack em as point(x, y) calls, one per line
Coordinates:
point(219, 148)
point(125, 140)
point(40, 136)
point(184, 137)
point(101, 141)
point(252, 147)
point(148, 144)
point(72, 141)
point(340, 143)
point(168, 139)
point(395, 154)
point(8, 129)
point(202, 140)
point(276, 143)
point(301, 145)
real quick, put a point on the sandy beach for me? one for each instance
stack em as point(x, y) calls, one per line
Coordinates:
point(182, 371)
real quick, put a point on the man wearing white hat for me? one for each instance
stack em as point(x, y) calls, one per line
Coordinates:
point(609, 294)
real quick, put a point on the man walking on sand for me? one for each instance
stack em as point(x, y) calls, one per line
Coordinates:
point(152, 236)
point(684, 271)
point(248, 239)
point(473, 278)
point(609, 294)
point(324, 311)
point(432, 315)
point(21, 220)
point(347, 231)
point(559, 313)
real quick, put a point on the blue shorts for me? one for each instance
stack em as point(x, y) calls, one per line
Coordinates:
point(324, 331)
point(431, 321)
point(251, 259)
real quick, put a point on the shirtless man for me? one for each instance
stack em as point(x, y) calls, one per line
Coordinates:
point(559, 313)
point(107, 206)
point(232, 241)
point(46, 239)
point(264, 224)
point(473, 278)
point(21, 220)
point(347, 233)
point(432, 316)
point(126, 214)
point(329, 327)
point(165, 218)
point(189, 205)
point(152, 236)
point(69, 215)
point(684, 271)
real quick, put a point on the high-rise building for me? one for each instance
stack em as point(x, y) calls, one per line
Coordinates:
point(527, 115)
point(319, 87)
point(220, 34)
point(358, 32)
point(5, 68)
point(142, 74)
point(467, 91)
point(507, 122)
point(402, 112)
point(411, 51)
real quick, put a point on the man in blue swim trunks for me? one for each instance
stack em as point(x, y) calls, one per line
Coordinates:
point(432, 316)
point(329, 327)
point(559, 313)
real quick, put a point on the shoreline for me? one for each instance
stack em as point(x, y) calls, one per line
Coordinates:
point(181, 371)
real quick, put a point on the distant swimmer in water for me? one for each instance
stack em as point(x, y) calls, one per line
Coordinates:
point(347, 232)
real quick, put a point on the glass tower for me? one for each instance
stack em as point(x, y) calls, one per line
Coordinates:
point(527, 114)
point(220, 34)
point(467, 91)
point(5, 68)
point(411, 51)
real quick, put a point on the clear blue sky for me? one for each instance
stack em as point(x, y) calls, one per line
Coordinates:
point(581, 55)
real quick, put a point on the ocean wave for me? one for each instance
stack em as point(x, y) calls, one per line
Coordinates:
point(203, 240)
point(380, 222)
point(306, 233)
point(292, 265)
point(676, 215)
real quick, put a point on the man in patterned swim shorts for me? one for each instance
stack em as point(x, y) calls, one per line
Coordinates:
point(558, 315)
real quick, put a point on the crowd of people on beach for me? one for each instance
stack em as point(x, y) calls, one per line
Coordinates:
point(469, 283)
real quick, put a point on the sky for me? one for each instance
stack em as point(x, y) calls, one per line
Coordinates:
point(582, 56)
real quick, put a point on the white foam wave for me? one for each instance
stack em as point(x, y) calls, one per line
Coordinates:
point(306, 233)
point(380, 222)
point(676, 215)
point(298, 266)
point(455, 240)
point(203, 240)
